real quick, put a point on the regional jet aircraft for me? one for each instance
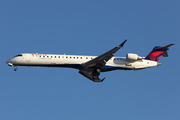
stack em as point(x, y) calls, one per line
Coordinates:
point(91, 66)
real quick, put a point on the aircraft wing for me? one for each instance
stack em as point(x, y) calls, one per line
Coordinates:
point(102, 59)
point(92, 68)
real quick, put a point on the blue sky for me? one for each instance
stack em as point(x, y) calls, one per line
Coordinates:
point(91, 27)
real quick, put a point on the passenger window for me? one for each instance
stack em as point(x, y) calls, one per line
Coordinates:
point(59, 56)
point(54, 56)
point(74, 57)
point(81, 57)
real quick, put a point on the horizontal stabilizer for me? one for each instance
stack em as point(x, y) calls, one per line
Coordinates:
point(164, 47)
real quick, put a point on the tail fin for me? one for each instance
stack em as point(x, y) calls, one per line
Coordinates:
point(157, 51)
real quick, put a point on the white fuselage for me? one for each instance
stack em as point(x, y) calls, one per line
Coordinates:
point(75, 61)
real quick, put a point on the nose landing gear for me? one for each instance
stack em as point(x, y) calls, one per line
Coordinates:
point(15, 68)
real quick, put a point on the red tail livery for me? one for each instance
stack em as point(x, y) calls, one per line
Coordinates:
point(157, 52)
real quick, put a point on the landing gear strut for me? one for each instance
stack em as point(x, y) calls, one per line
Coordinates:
point(15, 68)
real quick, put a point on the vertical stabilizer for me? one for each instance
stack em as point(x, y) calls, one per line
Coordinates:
point(157, 52)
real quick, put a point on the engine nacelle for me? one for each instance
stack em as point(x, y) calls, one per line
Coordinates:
point(132, 57)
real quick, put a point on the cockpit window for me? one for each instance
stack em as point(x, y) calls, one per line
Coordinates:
point(18, 55)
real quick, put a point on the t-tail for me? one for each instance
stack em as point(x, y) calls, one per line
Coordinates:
point(157, 52)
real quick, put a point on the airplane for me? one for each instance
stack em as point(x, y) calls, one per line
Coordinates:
point(91, 66)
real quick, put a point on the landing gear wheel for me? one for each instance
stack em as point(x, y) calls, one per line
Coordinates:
point(98, 70)
point(15, 68)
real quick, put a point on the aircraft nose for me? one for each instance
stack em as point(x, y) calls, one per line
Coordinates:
point(10, 61)
point(7, 61)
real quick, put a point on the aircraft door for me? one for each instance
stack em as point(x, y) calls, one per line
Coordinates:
point(28, 58)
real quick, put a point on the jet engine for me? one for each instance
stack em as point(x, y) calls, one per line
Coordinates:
point(133, 57)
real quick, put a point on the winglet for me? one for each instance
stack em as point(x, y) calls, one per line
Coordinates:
point(102, 79)
point(123, 43)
